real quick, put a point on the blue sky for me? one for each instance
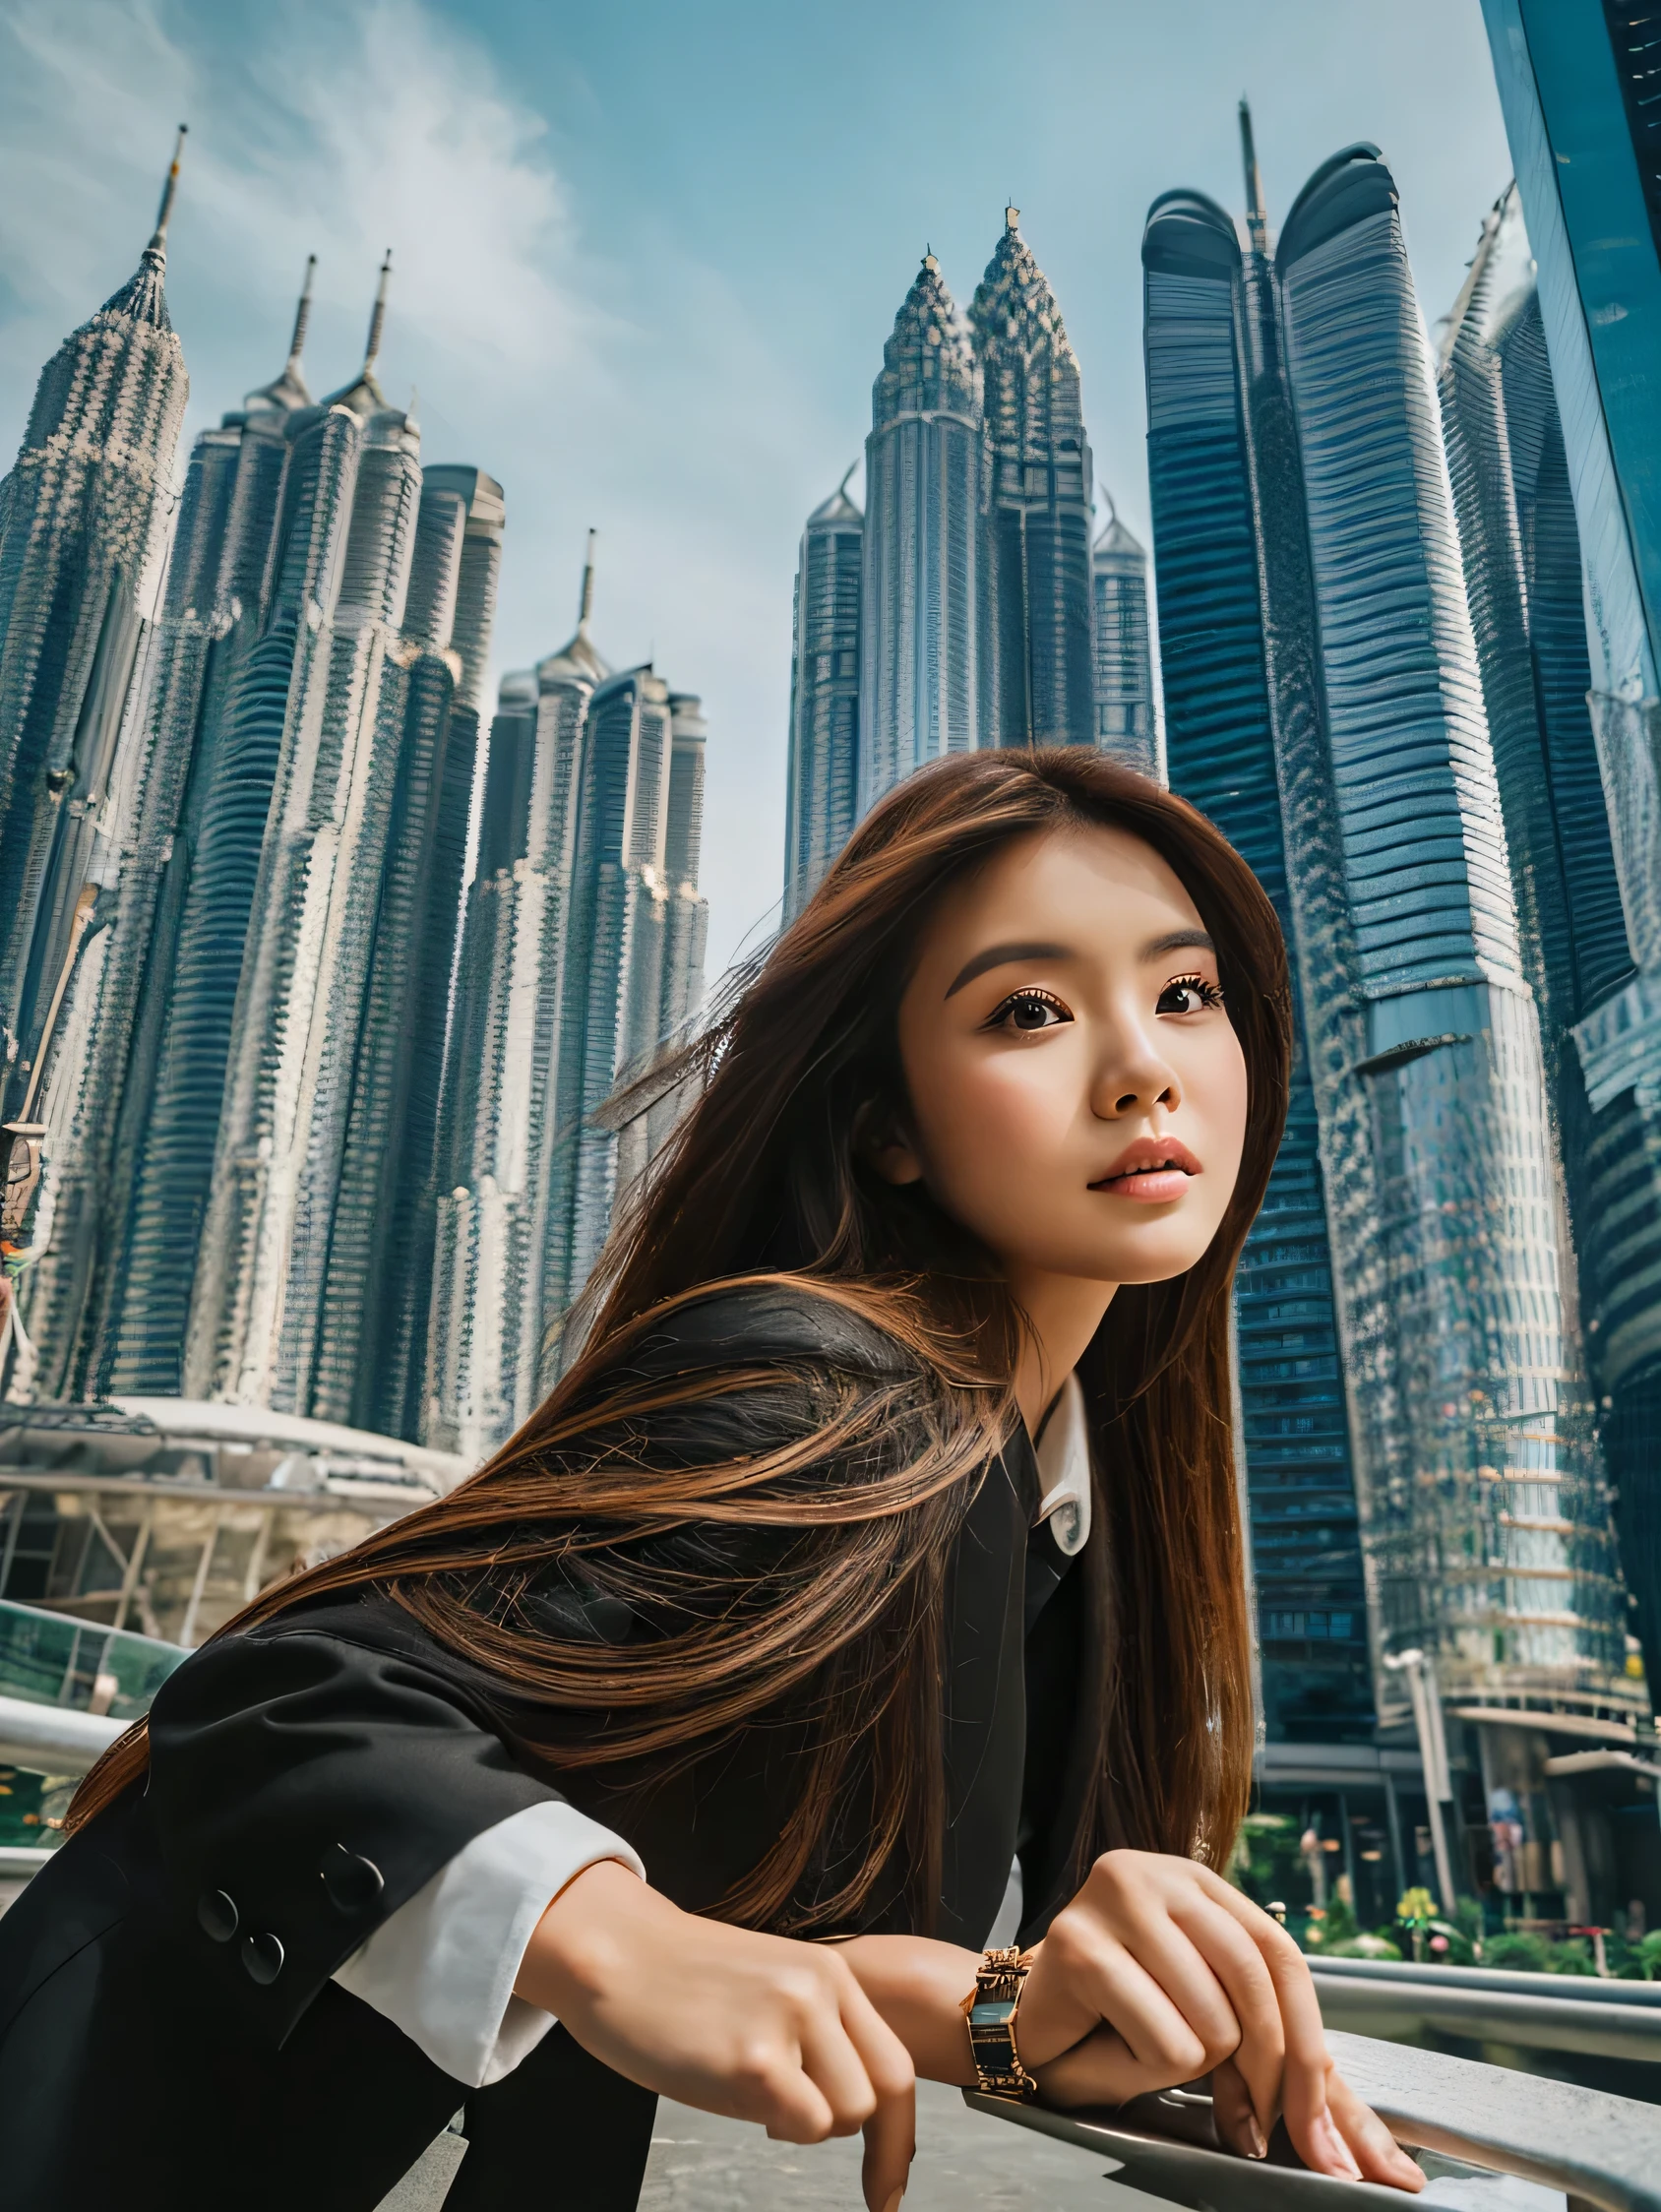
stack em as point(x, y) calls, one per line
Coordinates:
point(647, 254)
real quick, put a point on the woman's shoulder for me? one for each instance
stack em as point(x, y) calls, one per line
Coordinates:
point(783, 1321)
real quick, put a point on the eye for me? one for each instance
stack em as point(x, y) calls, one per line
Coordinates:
point(1024, 1011)
point(1188, 994)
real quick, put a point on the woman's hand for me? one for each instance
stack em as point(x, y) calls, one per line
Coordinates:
point(1159, 1972)
point(753, 2026)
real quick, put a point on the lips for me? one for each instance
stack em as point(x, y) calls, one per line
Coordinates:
point(1154, 1169)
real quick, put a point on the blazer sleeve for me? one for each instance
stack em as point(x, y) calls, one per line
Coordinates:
point(305, 1785)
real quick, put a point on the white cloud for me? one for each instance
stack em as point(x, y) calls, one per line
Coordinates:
point(640, 398)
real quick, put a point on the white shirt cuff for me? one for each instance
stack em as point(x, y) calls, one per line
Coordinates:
point(443, 1966)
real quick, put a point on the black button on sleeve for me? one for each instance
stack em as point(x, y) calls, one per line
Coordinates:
point(262, 1958)
point(352, 1882)
point(217, 1915)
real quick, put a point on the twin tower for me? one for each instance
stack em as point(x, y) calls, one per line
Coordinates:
point(964, 608)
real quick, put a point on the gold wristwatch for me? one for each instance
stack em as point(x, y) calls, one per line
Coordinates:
point(990, 2010)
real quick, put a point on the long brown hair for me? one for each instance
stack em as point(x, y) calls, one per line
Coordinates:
point(762, 1179)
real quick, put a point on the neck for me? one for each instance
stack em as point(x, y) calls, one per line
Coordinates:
point(1063, 1313)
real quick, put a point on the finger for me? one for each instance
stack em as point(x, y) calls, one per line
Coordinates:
point(1239, 1966)
point(891, 2132)
point(1232, 2112)
point(1376, 2151)
point(1093, 1966)
point(1307, 2064)
point(781, 2096)
point(833, 2065)
point(1166, 1948)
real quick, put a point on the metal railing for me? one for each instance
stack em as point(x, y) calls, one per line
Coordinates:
point(1593, 2018)
point(1601, 2151)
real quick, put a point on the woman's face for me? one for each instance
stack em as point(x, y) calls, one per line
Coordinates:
point(1076, 1094)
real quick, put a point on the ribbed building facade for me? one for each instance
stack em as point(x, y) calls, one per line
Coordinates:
point(499, 1212)
point(376, 1291)
point(582, 956)
point(100, 1093)
point(83, 521)
point(821, 798)
point(919, 660)
point(241, 1159)
point(1576, 86)
point(1124, 716)
point(1037, 673)
point(1233, 693)
point(1483, 1515)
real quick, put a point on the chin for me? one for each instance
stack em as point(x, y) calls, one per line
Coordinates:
point(1153, 1261)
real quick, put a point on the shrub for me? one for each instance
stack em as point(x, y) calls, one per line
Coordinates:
point(1517, 1952)
point(1365, 1946)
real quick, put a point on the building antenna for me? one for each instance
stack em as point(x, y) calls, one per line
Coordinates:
point(1112, 511)
point(302, 315)
point(158, 243)
point(1257, 217)
point(378, 316)
point(586, 606)
point(847, 474)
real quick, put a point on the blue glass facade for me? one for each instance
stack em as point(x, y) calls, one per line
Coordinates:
point(1576, 82)
point(1221, 754)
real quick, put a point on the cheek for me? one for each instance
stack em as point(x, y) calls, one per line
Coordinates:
point(1216, 1091)
point(985, 1116)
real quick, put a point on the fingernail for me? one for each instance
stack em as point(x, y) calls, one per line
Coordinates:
point(1256, 2147)
point(1333, 2144)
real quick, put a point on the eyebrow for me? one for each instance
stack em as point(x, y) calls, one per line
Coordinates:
point(1004, 955)
point(1177, 941)
point(1000, 956)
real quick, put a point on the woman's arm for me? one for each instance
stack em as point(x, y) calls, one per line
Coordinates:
point(756, 2027)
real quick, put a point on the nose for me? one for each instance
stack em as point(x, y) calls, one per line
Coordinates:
point(1132, 1076)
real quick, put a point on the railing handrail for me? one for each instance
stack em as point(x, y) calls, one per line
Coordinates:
point(1602, 2149)
point(1568, 1988)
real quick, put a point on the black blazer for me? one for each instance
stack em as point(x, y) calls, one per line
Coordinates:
point(169, 2034)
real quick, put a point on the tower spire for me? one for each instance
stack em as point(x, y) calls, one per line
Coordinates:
point(586, 606)
point(1256, 215)
point(169, 190)
point(378, 317)
point(302, 317)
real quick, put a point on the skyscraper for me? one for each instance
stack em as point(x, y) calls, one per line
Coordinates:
point(376, 1291)
point(1125, 725)
point(822, 799)
point(1036, 675)
point(920, 610)
point(616, 974)
point(958, 610)
point(82, 521)
point(1222, 735)
point(584, 955)
point(503, 1208)
point(367, 719)
point(1576, 82)
point(1310, 570)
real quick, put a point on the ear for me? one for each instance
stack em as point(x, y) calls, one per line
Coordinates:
point(883, 1144)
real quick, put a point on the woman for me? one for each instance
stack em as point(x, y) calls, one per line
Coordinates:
point(696, 1744)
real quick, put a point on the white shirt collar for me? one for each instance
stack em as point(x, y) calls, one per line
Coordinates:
point(1064, 1470)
